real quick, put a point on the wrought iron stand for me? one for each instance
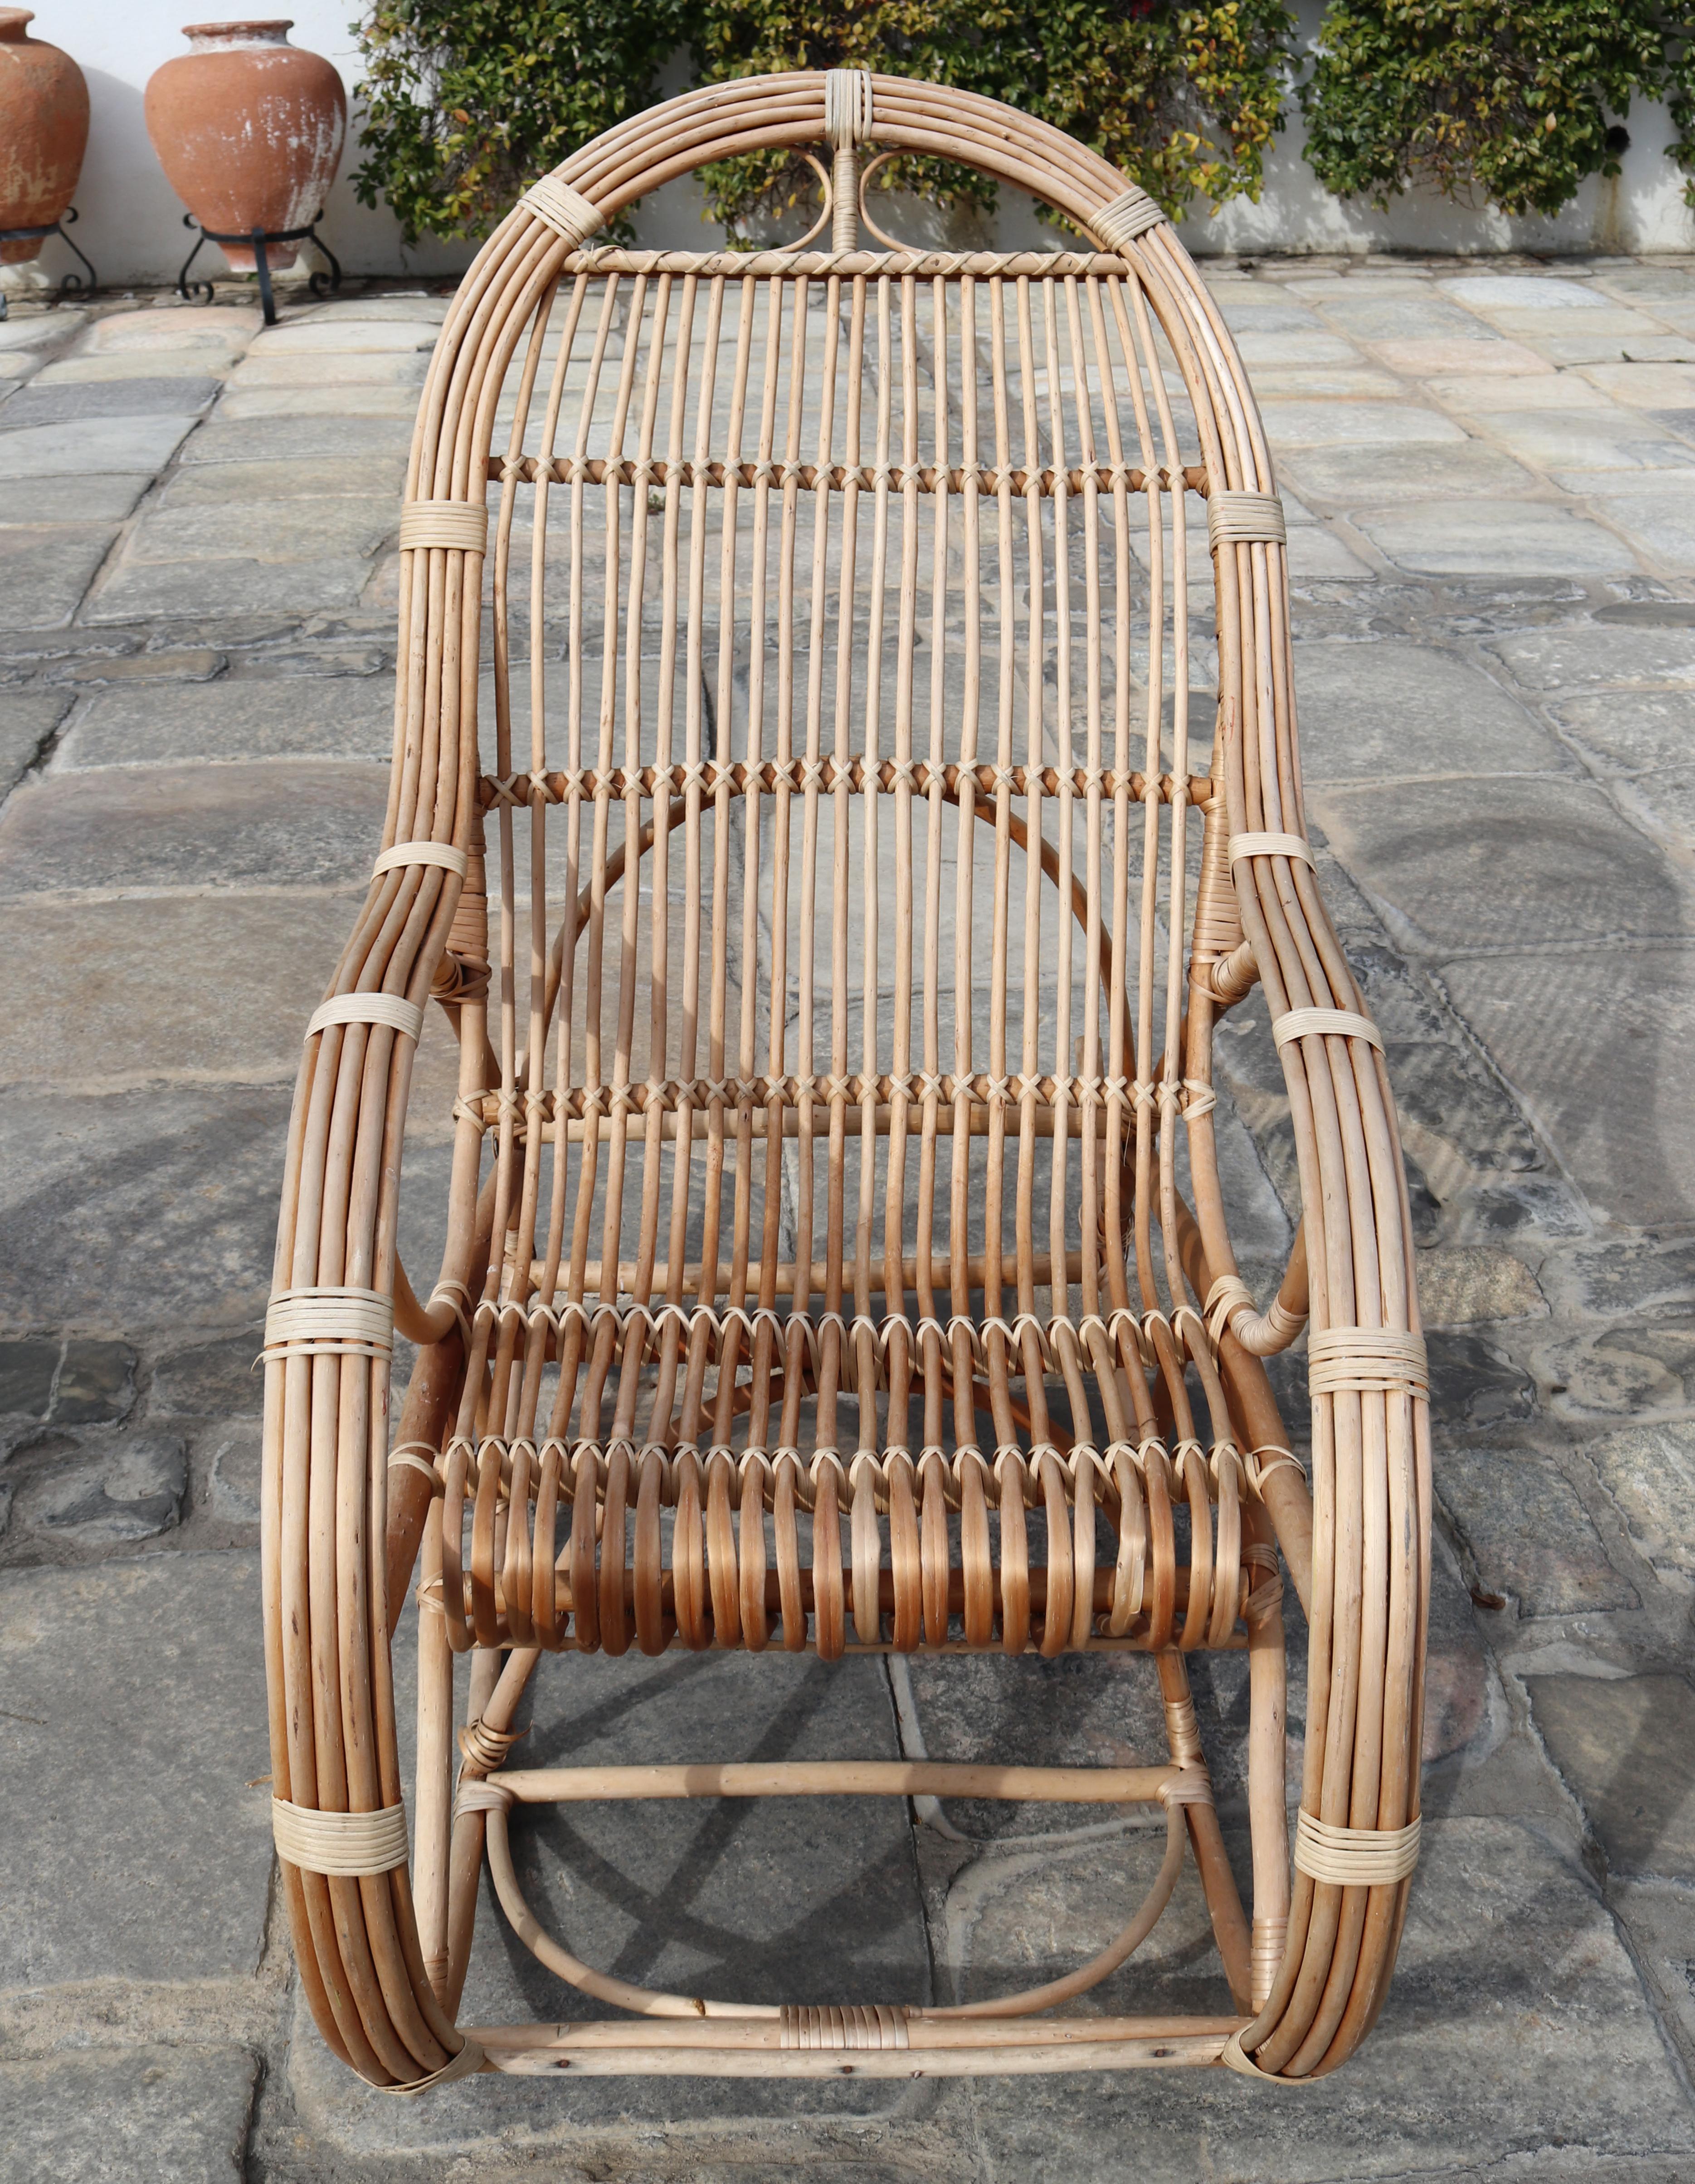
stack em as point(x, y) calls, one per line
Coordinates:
point(321, 283)
point(73, 283)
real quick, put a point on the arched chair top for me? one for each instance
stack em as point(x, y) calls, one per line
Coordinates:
point(545, 233)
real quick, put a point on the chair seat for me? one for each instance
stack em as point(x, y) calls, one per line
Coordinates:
point(1048, 1540)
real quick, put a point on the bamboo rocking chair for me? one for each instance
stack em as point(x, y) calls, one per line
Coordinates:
point(817, 1271)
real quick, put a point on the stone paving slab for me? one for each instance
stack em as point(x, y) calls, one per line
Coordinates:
point(95, 445)
point(1561, 2053)
point(1599, 1047)
point(299, 530)
point(1528, 1531)
point(316, 584)
point(162, 826)
point(203, 364)
point(1371, 476)
point(1359, 424)
point(1526, 538)
point(315, 478)
point(27, 719)
point(143, 2116)
point(134, 1719)
point(85, 962)
point(156, 1214)
point(42, 405)
point(1626, 1746)
point(147, 723)
point(288, 439)
point(1530, 859)
point(44, 573)
point(1393, 709)
point(106, 498)
point(1649, 1472)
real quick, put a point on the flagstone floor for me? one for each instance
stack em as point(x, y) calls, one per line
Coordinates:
point(1490, 474)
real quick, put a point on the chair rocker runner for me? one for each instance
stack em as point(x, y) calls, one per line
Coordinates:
point(817, 1274)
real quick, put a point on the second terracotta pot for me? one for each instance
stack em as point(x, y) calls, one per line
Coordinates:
point(43, 131)
point(249, 131)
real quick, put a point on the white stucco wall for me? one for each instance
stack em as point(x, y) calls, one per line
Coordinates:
point(131, 221)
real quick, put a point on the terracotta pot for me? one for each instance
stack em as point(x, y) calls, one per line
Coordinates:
point(43, 131)
point(249, 131)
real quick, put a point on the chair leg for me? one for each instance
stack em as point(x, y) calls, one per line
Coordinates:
point(1206, 1837)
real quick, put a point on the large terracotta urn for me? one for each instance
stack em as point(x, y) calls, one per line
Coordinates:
point(43, 131)
point(249, 131)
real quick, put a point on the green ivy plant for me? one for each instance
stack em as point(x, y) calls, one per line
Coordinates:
point(1514, 101)
point(466, 101)
point(1185, 100)
point(1508, 100)
point(1681, 87)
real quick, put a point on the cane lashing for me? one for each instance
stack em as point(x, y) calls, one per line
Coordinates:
point(854, 2026)
point(567, 211)
point(441, 855)
point(1130, 215)
point(847, 124)
point(332, 1320)
point(847, 107)
point(1355, 1858)
point(1366, 1360)
point(346, 1843)
point(1244, 519)
point(1242, 846)
point(1325, 1023)
point(391, 1010)
point(460, 525)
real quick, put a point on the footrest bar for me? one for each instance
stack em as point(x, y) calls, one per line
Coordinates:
point(733, 2048)
point(842, 1778)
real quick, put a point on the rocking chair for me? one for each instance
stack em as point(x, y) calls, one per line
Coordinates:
point(817, 1273)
